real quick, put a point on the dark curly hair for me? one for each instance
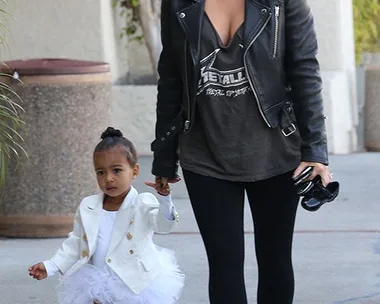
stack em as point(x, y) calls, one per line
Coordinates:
point(112, 138)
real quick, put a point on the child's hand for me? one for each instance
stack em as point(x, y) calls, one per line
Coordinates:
point(161, 184)
point(38, 271)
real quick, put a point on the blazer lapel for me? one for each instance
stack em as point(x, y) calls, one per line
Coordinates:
point(123, 217)
point(90, 216)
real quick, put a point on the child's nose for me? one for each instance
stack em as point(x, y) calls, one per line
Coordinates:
point(109, 177)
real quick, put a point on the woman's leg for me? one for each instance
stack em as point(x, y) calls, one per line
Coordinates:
point(273, 205)
point(218, 207)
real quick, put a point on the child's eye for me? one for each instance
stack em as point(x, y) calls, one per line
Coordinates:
point(100, 173)
point(116, 170)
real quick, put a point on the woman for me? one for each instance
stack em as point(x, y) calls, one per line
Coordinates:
point(240, 106)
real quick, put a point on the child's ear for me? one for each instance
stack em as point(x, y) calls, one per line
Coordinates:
point(136, 170)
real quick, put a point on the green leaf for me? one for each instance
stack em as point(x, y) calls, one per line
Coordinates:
point(367, 26)
point(11, 121)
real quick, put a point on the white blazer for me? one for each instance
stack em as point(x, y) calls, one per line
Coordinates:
point(132, 254)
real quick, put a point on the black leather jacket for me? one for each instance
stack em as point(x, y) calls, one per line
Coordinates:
point(280, 60)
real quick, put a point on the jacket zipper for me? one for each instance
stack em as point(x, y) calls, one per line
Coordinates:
point(247, 71)
point(187, 121)
point(276, 29)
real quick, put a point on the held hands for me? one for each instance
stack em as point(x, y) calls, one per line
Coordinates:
point(161, 184)
point(38, 271)
point(318, 169)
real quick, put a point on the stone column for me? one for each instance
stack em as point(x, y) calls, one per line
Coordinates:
point(335, 31)
point(372, 108)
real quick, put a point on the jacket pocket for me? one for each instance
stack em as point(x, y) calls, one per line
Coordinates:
point(148, 261)
point(276, 31)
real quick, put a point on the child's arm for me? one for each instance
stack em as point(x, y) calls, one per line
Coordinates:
point(161, 213)
point(51, 268)
point(64, 258)
point(68, 254)
point(166, 206)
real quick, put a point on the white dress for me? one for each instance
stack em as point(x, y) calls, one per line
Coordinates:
point(97, 283)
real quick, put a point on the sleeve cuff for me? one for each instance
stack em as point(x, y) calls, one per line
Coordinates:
point(166, 206)
point(51, 268)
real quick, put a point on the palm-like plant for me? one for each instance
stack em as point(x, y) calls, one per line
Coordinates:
point(10, 121)
point(10, 125)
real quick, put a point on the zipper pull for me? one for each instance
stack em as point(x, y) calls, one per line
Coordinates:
point(187, 125)
point(277, 11)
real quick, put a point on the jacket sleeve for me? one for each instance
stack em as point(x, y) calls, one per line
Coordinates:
point(302, 69)
point(68, 254)
point(165, 161)
point(155, 214)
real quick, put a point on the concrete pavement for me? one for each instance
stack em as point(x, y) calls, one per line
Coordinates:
point(333, 258)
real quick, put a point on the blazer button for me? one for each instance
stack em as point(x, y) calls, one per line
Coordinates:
point(84, 253)
point(84, 237)
point(131, 251)
point(129, 236)
point(182, 15)
point(109, 260)
point(132, 221)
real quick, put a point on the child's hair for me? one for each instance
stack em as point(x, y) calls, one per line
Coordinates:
point(112, 138)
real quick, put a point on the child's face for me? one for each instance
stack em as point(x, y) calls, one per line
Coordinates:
point(113, 171)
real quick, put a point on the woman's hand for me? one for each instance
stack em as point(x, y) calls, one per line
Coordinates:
point(161, 184)
point(318, 169)
point(38, 271)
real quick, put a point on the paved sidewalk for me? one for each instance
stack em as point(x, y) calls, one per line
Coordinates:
point(333, 258)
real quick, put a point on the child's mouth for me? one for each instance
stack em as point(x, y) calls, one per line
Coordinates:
point(111, 188)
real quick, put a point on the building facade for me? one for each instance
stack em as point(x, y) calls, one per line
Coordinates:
point(90, 30)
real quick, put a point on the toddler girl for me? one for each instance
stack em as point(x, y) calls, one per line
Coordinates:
point(109, 257)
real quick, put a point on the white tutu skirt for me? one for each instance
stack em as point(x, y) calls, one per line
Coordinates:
point(90, 284)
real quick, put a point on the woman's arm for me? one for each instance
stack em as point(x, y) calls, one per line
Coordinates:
point(302, 70)
point(168, 98)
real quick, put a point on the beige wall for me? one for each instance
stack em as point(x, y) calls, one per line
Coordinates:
point(335, 31)
point(59, 28)
point(82, 29)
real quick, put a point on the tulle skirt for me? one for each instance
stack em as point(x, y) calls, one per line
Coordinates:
point(90, 284)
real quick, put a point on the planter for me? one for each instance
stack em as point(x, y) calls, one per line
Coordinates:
point(67, 104)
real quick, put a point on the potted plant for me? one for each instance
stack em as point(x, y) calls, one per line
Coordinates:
point(11, 123)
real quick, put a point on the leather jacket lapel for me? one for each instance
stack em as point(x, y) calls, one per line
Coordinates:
point(256, 17)
point(191, 18)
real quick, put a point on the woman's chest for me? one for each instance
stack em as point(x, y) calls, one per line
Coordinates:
point(226, 16)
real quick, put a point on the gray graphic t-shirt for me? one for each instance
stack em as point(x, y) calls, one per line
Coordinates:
point(229, 138)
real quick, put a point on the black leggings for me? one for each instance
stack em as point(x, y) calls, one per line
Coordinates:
point(218, 207)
